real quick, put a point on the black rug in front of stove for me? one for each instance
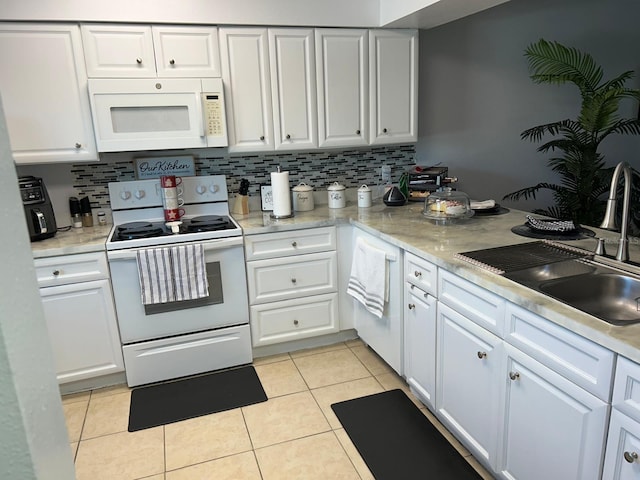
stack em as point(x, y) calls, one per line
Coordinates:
point(190, 397)
point(397, 441)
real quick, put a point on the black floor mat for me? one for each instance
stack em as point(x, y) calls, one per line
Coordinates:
point(397, 441)
point(190, 397)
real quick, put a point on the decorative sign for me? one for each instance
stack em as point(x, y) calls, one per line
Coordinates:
point(266, 197)
point(155, 167)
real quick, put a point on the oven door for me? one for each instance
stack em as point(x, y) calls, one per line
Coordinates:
point(227, 303)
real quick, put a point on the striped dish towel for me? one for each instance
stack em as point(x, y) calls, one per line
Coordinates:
point(156, 275)
point(368, 282)
point(189, 272)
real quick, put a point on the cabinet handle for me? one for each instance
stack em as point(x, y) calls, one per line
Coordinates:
point(78, 145)
point(482, 355)
point(288, 137)
point(412, 306)
point(172, 62)
point(514, 375)
point(295, 322)
point(294, 244)
point(293, 280)
point(417, 273)
point(261, 138)
point(139, 61)
point(56, 273)
point(357, 132)
point(384, 130)
point(630, 457)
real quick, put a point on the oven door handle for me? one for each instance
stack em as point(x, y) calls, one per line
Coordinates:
point(209, 245)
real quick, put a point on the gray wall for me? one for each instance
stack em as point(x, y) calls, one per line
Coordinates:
point(476, 96)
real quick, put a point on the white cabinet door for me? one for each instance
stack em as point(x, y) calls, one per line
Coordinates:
point(420, 343)
point(552, 428)
point(393, 82)
point(468, 383)
point(245, 72)
point(116, 51)
point(343, 91)
point(83, 330)
point(622, 459)
point(43, 84)
point(186, 51)
point(293, 88)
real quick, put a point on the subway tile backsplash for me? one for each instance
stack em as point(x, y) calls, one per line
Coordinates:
point(319, 169)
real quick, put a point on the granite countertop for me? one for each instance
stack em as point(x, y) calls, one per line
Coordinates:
point(75, 240)
point(408, 229)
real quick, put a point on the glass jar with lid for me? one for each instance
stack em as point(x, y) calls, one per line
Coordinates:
point(447, 206)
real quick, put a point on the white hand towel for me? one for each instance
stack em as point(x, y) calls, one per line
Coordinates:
point(481, 205)
point(368, 280)
point(155, 274)
point(189, 272)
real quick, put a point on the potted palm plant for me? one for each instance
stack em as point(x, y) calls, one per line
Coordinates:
point(584, 181)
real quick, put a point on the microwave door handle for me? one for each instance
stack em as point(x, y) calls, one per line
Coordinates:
point(200, 114)
point(42, 222)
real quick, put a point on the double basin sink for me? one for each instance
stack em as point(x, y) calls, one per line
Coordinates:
point(607, 292)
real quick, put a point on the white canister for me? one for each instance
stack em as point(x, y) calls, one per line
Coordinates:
point(336, 195)
point(364, 197)
point(302, 198)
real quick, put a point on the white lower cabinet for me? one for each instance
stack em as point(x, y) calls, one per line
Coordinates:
point(80, 317)
point(420, 343)
point(468, 383)
point(622, 460)
point(552, 428)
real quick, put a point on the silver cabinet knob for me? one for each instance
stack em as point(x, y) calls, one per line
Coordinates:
point(417, 274)
point(295, 322)
point(172, 62)
point(288, 137)
point(78, 145)
point(514, 375)
point(294, 244)
point(56, 273)
point(412, 306)
point(293, 280)
point(261, 138)
point(357, 132)
point(482, 355)
point(384, 130)
point(630, 457)
point(139, 61)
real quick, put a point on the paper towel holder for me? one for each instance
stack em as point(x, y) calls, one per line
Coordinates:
point(273, 215)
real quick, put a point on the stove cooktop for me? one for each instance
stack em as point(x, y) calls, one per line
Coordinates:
point(152, 229)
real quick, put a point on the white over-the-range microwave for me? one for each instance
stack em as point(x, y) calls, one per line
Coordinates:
point(158, 113)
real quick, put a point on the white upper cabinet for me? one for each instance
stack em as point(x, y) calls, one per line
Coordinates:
point(139, 51)
point(393, 81)
point(245, 72)
point(293, 88)
point(44, 93)
point(343, 91)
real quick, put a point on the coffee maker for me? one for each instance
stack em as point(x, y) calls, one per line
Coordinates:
point(37, 208)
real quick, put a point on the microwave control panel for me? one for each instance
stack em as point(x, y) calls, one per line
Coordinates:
point(213, 114)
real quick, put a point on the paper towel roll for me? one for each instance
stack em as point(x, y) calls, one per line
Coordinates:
point(280, 192)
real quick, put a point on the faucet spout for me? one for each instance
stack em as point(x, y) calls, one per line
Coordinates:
point(609, 221)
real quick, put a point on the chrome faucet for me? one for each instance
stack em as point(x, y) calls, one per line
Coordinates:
point(609, 221)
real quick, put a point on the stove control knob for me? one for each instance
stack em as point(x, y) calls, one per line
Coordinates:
point(139, 194)
point(200, 189)
point(125, 195)
point(214, 188)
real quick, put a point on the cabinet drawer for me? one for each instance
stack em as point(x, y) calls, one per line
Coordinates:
point(626, 388)
point(475, 303)
point(421, 273)
point(71, 269)
point(281, 279)
point(294, 319)
point(282, 244)
point(583, 362)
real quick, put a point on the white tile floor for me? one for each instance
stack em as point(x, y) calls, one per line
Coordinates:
point(294, 435)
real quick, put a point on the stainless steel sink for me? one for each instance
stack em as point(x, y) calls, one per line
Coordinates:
point(606, 292)
point(612, 297)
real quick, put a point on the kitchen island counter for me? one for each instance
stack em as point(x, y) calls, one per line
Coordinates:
point(408, 229)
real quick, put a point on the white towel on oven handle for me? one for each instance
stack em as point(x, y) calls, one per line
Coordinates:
point(155, 272)
point(189, 272)
point(368, 281)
